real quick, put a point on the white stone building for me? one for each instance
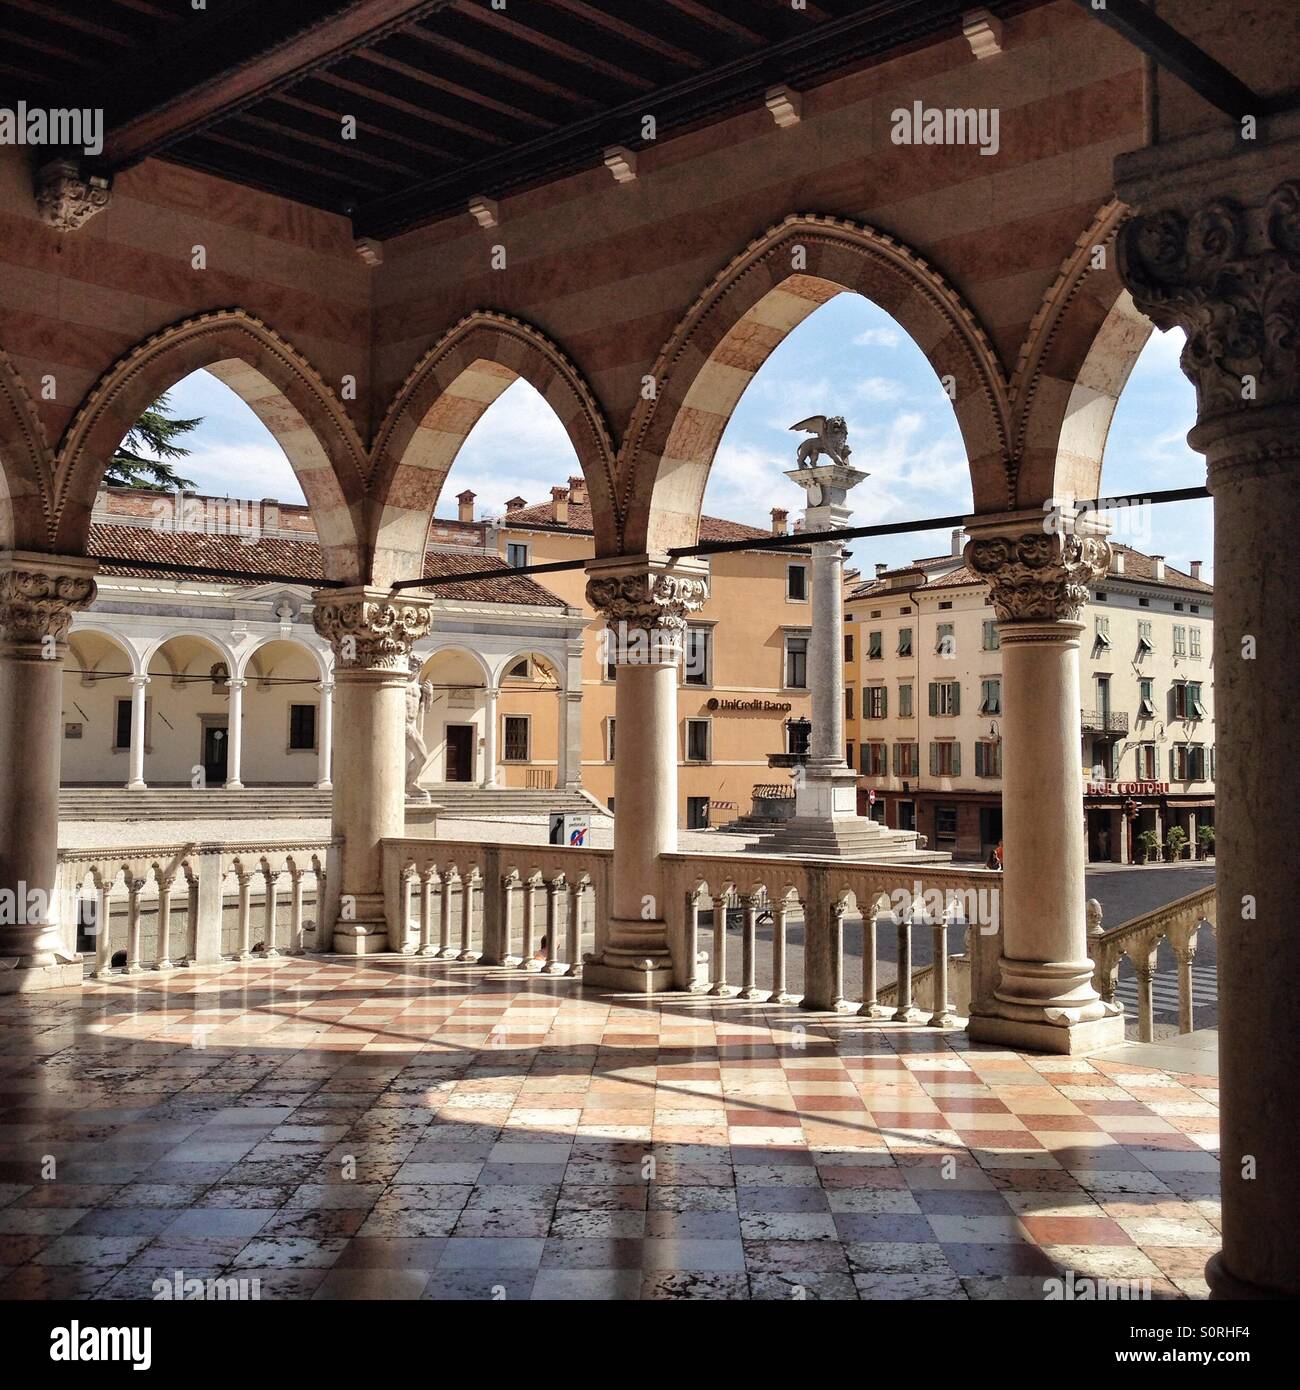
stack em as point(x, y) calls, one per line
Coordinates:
point(924, 696)
point(178, 678)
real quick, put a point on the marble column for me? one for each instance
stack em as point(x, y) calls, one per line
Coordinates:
point(1214, 248)
point(325, 754)
point(139, 708)
point(235, 735)
point(646, 601)
point(38, 595)
point(372, 633)
point(1038, 570)
point(491, 718)
point(570, 739)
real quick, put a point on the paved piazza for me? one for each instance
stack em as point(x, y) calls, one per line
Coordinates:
point(400, 1129)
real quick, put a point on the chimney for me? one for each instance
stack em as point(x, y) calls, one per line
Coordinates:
point(881, 567)
point(1158, 564)
point(958, 539)
point(1196, 569)
point(465, 506)
point(560, 505)
point(270, 514)
point(1117, 561)
point(578, 491)
point(514, 504)
point(780, 521)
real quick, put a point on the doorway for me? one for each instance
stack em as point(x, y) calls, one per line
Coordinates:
point(460, 753)
point(216, 742)
point(990, 830)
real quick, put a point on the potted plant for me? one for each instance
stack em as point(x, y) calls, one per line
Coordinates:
point(1176, 843)
point(1205, 839)
point(1150, 845)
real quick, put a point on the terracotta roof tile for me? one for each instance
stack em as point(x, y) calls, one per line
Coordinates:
point(712, 528)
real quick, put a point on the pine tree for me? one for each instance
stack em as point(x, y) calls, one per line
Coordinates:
point(154, 433)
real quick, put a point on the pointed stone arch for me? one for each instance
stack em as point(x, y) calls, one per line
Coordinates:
point(26, 467)
point(1077, 356)
point(275, 380)
point(443, 398)
point(746, 311)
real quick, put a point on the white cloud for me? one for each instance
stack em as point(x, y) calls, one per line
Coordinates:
point(878, 388)
point(878, 337)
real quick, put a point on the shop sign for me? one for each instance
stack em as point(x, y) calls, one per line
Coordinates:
point(1126, 789)
point(749, 706)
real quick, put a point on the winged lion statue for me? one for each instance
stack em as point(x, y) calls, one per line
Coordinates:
point(830, 437)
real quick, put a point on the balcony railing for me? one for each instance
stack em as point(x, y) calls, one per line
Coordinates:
point(1096, 721)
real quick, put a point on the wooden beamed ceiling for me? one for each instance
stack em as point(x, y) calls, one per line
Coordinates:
point(450, 98)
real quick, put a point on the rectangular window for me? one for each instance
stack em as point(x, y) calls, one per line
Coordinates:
point(609, 740)
point(697, 740)
point(1187, 700)
point(992, 642)
point(991, 696)
point(516, 555)
point(907, 760)
point(905, 700)
point(697, 665)
point(302, 726)
point(1101, 631)
point(796, 582)
point(796, 663)
point(874, 648)
point(945, 822)
point(610, 637)
point(988, 758)
point(848, 649)
point(516, 739)
point(697, 813)
point(1196, 762)
point(873, 760)
point(876, 702)
point(1180, 640)
point(944, 641)
point(945, 697)
point(945, 759)
point(1194, 642)
point(848, 703)
point(905, 641)
point(1146, 762)
point(1146, 699)
point(1144, 637)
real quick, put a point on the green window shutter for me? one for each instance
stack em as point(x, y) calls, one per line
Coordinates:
point(897, 758)
point(934, 698)
point(956, 760)
point(956, 697)
point(884, 703)
point(934, 760)
point(979, 760)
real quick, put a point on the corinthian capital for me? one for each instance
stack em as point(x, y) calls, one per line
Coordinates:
point(647, 592)
point(40, 593)
point(1229, 275)
point(1038, 576)
point(371, 628)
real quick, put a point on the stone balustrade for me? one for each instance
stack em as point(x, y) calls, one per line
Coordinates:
point(1179, 922)
point(160, 906)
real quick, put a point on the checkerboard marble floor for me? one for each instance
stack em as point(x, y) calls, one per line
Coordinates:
point(425, 1129)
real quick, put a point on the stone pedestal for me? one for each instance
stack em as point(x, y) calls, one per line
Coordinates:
point(1044, 999)
point(1215, 250)
point(38, 595)
point(372, 633)
point(646, 602)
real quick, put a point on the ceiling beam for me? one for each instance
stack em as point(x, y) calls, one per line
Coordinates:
point(1178, 55)
point(634, 33)
point(522, 77)
point(455, 89)
point(239, 84)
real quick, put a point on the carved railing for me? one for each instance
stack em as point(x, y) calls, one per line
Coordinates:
point(529, 905)
point(1179, 922)
point(159, 906)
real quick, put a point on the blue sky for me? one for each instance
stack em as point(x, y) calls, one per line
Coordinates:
point(848, 358)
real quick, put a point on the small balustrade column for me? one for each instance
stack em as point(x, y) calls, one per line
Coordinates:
point(1038, 566)
point(694, 900)
point(871, 1006)
point(528, 947)
point(244, 945)
point(467, 884)
point(1212, 249)
point(165, 885)
point(372, 633)
point(134, 887)
point(749, 950)
point(573, 930)
point(270, 878)
point(1186, 957)
point(780, 991)
point(555, 965)
point(943, 1015)
point(296, 940)
point(38, 595)
point(1144, 967)
point(646, 601)
point(103, 925)
point(718, 978)
point(445, 949)
point(903, 1012)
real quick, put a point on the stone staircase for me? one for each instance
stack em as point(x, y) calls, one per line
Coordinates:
point(457, 802)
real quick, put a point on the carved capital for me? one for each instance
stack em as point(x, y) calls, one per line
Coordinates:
point(1038, 576)
point(1230, 277)
point(40, 593)
point(65, 198)
point(651, 596)
point(371, 628)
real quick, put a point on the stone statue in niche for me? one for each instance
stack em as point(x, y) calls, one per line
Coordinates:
point(419, 696)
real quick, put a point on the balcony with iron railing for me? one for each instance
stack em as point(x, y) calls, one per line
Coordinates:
point(1104, 721)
